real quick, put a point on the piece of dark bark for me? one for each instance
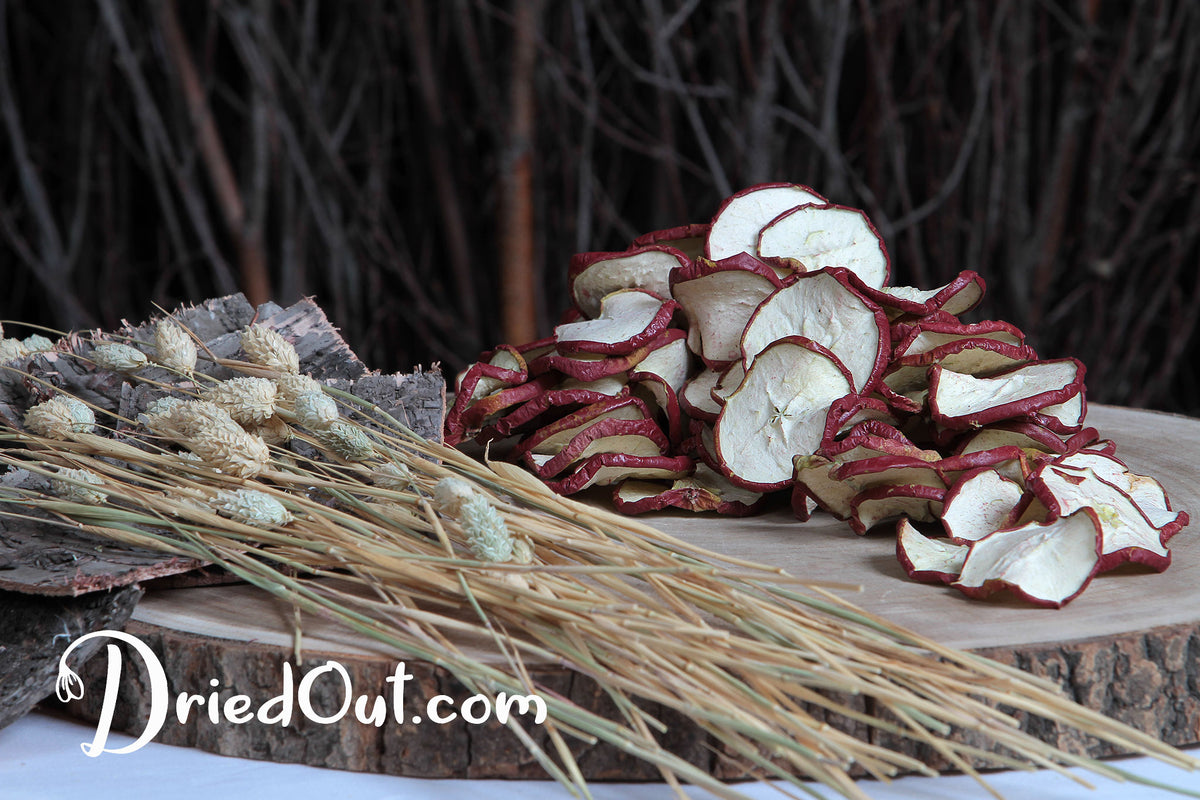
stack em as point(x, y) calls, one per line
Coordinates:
point(34, 632)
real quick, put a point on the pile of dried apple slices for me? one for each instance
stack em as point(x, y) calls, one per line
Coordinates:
point(712, 365)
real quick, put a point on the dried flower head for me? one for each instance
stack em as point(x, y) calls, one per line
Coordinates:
point(74, 485)
point(450, 493)
point(211, 433)
point(60, 417)
point(291, 385)
point(272, 431)
point(118, 357)
point(174, 348)
point(249, 401)
point(268, 348)
point(316, 410)
point(252, 507)
point(11, 350)
point(36, 343)
point(392, 476)
point(485, 530)
point(346, 440)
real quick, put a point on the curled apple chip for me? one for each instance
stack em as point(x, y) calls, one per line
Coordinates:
point(822, 307)
point(981, 502)
point(1029, 436)
point(956, 297)
point(828, 235)
point(891, 501)
point(1126, 533)
point(1146, 492)
point(703, 490)
point(629, 319)
point(778, 411)
point(605, 469)
point(637, 437)
point(1065, 417)
point(696, 397)
point(960, 401)
point(940, 329)
point(553, 437)
point(967, 356)
point(687, 239)
point(737, 223)
point(848, 412)
point(728, 383)
point(928, 559)
point(570, 395)
point(1047, 564)
point(593, 276)
point(718, 299)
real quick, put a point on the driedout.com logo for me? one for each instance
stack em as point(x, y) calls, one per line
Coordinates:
point(281, 709)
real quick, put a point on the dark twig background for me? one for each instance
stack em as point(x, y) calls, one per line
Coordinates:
point(427, 168)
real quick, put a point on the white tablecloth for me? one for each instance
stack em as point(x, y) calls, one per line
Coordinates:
point(40, 759)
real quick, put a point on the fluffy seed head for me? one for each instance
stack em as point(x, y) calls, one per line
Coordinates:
point(60, 417)
point(316, 410)
point(173, 348)
point(291, 385)
point(346, 440)
point(212, 434)
point(450, 493)
point(392, 476)
point(11, 350)
point(252, 507)
point(118, 357)
point(273, 431)
point(485, 530)
point(73, 485)
point(37, 343)
point(250, 401)
point(267, 348)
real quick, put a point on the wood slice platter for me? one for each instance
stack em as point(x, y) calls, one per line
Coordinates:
point(1129, 646)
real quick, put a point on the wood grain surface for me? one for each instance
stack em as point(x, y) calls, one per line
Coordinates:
point(1129, 646)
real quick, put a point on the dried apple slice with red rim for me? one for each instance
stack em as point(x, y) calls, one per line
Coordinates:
point(981, 502)
point(570, 395)
point(550, 439)
point(687, 239)
point(1047, 564)
point(718, 299)
point(593, 276)
point(928, 559)
point(1145, 491)
point(778, 412)
point(703, 490)
point(737, 223)
point(959, 401)
point(886, 502)
point(1065, 417)
point(956, 297)
point(1127, 535)
point(636, 437)
point(1029, 436)
point(940, 329)
point(979, 357)
point(696, 397)
point(605, 469)
point(629, 319)
point(821, 307)
point(851, 410)
point(816, 236)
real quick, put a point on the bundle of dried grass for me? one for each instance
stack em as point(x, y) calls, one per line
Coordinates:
point(395, 536)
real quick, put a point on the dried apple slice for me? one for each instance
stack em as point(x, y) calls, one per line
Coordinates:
point(1065, 417)
point(981, 502)
point(629, 319)
point(778, 412)
point(687, 239)
point(960, 401)
point(1028, 436)
point(593, 276)
point(1008, 460)
point(635, 437)
point(849, 411)
point(718, 299)
point(956, 297)
point(814, 482)
point(728, 383)
point(736, 225)
point(568, 396)
point(696, 397)
point(1047, 564)
point(829, 235)
point(605, 469)
point(550, 439)
point(865, 473)
point(928, 559)
point(703, 490)
point(822, 307)
point(1126, 534)
point(941, 329)
point(891, 501)
point(1146, 492)
point(908, 374)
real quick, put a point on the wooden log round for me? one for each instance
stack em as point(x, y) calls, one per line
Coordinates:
point(1127, 647)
